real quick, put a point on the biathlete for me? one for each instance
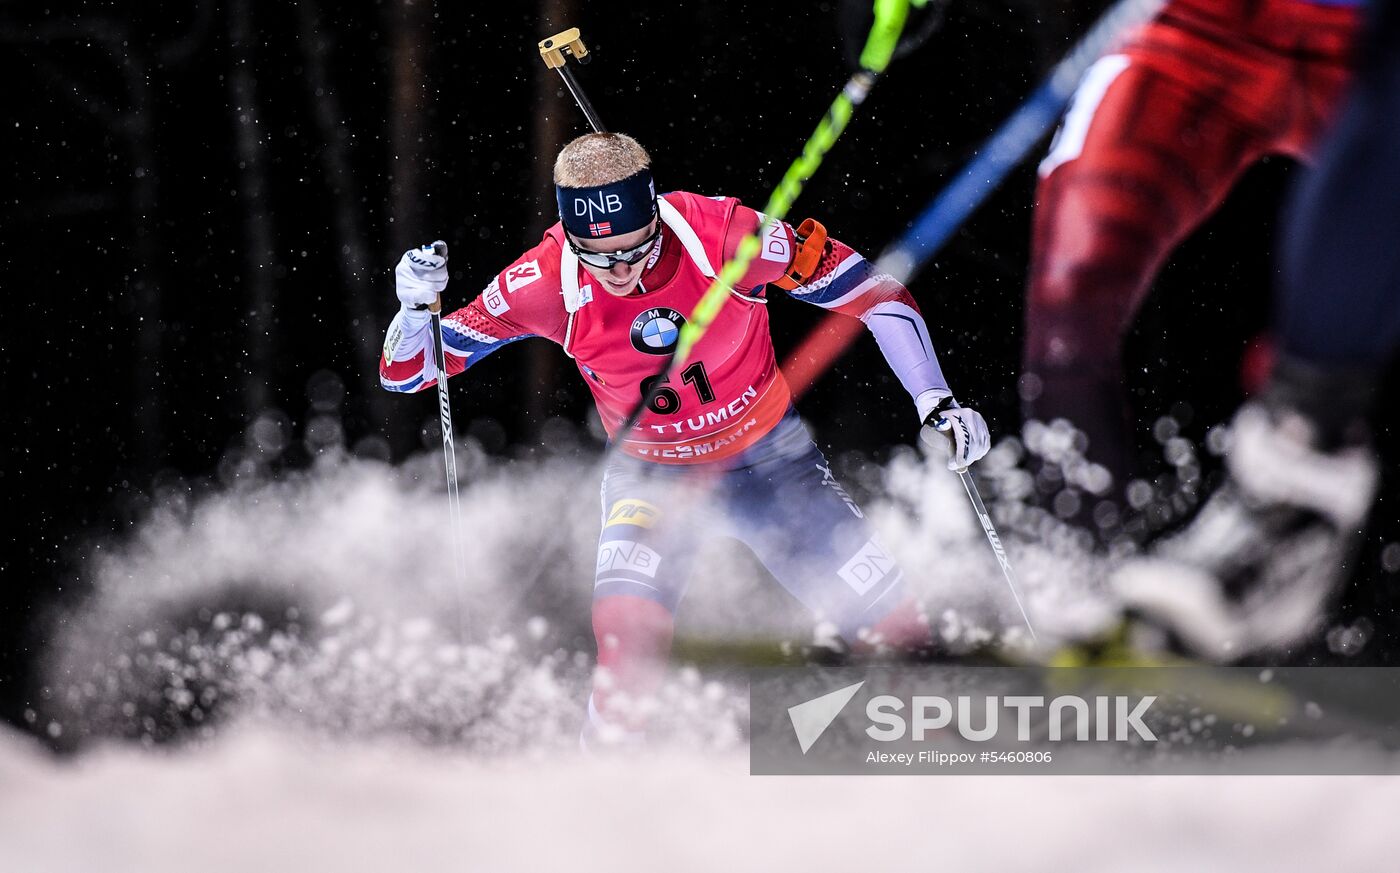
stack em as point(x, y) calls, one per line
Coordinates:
point(722, 450)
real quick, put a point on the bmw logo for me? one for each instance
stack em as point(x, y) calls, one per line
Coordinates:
point(655, 331)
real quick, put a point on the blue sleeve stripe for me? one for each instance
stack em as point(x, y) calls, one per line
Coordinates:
point(847, 274)
point(471, 344)
point(408, 387)
point(841, 286)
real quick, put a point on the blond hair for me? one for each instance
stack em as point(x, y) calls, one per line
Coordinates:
point(599, 159)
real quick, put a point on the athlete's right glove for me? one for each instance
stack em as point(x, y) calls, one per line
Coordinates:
point(963, 428)
point(421, 275)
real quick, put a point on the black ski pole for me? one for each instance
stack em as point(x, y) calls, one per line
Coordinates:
point(556, 51)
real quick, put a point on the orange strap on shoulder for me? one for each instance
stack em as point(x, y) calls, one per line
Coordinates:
point(811, 242)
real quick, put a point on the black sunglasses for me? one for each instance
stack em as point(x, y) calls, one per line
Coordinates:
point(605, 260)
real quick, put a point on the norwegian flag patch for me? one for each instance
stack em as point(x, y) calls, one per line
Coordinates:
point(600, 228)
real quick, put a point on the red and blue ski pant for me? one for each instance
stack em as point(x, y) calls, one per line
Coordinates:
point(781, 500)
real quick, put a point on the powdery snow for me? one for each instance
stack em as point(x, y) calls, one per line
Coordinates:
point(260, 799)
point(299, 637)
point(324, 597)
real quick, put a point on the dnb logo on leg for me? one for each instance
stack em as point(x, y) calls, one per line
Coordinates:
point(867, 567)
point(655, 331)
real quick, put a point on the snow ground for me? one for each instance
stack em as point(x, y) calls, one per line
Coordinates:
point(259, 799)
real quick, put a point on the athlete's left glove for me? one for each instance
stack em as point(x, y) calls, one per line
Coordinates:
point(963, 428)
point(421, 275)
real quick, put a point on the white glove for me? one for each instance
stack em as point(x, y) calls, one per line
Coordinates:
point(421, 275)
point(962, 430)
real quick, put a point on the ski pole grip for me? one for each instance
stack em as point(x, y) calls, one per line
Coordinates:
point(945, 427)
point(439, 248)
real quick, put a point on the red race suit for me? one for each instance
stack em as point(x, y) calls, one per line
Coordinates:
point(731, 391)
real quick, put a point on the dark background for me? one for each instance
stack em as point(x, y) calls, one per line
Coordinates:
point(204, 201)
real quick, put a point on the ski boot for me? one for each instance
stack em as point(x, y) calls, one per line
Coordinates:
point(1255, 569)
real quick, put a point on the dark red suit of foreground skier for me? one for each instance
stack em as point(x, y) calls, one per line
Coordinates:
point(1156, 137)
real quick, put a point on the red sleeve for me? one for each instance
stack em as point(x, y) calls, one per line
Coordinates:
point(523, 300)
point(844, 281)
point(847, 283)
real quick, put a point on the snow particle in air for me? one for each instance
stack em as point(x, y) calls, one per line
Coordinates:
point(1390, 558)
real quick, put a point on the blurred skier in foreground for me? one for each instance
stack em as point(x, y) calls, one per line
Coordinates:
point(1157, 135)
point(1254, 571)
point(721, 453)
